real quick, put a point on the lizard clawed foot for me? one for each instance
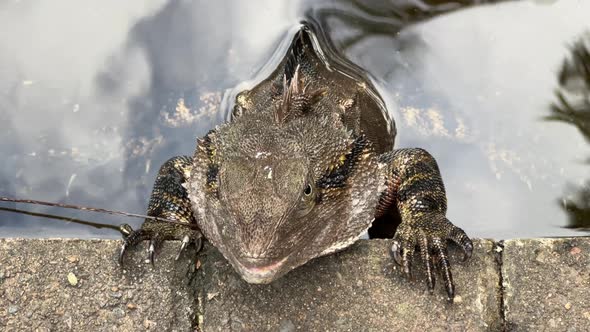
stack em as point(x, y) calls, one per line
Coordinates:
point(157, 232)
point(430, 234)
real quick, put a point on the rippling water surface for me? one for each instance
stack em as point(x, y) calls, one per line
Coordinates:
point(95, 96)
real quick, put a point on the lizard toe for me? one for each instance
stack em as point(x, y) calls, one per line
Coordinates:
point(441, 255)
point(403, 251)
point(459, 237)
point(427, 259)
point(395, 252)
point(154, 243)
point(131, 240)
point(185, 241)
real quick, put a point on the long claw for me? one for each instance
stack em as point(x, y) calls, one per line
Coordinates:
point(199, 243)
point(133, 238)
point(407, 254)
point(151, 251)
point(395, 252)
point(427, 259)
point(444, 266)
point(467, 251)
point(122, 253)
point(185, 241)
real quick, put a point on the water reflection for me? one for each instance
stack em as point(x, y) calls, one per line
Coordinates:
point(472, 87)
point(90, 110)
point(573, 107)
point(349, 22)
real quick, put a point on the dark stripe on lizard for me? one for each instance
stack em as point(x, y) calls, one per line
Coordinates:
point(336, 176)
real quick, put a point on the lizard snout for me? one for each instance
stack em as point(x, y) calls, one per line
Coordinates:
point(260, 270)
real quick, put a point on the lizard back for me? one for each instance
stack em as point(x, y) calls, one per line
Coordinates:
point(349, 89)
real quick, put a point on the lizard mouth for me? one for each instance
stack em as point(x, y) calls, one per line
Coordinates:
point(260, 270)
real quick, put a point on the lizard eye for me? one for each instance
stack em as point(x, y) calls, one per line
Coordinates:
point(308, 190)
point(308, 201)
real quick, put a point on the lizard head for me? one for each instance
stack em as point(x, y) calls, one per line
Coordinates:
point(272, 197)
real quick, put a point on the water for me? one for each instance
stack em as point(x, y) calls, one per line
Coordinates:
point(95, 96)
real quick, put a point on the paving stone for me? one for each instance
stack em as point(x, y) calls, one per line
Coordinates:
point(359, 289)
point(547, 284)
point(77, 285)
point(37, 294)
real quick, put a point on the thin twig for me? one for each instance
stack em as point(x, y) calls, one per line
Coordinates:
point(91, 209)
point(74, 220)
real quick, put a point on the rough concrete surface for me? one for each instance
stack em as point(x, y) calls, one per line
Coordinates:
point(355, 290)
point(36, 293)
point(63, 285)
point(547, 284)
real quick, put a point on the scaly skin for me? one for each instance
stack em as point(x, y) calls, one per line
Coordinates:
point(301, 171)
point(169, 200)
point(416, 188)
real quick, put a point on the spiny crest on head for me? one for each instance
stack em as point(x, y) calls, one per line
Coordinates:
point(297, 99)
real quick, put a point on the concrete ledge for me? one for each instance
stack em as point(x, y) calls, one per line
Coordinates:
point(547, 284)
point(37, 295)
point(544, 286)
point(355, 290)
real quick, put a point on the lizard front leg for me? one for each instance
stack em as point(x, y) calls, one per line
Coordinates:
point(169, 200)
point(414, 186)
